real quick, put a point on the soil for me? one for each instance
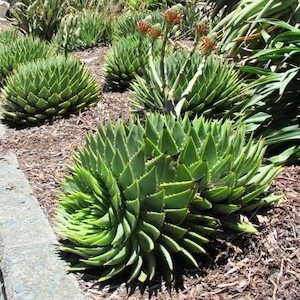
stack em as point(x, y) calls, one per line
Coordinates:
point(263, 266)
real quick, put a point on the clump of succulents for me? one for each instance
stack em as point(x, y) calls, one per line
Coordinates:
point(8, 36)
point(80, 31)
point(46, 89)
point(39, 17)
point(123, 62)
point(23, 50)
point(142, 194)
point(187, 81)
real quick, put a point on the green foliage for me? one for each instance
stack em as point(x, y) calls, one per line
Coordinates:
point(276, 114)
point(215, 92)
point(122, 63)
point(184, 82)
point(80, 31)
point(8, 36)
point(241, 32)
point(39, 17)
point(48, 88)
point(23, 50)
point(223, 7)
point(127, 23)
point(141, 195)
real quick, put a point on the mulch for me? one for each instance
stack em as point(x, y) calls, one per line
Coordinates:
point(263, 266)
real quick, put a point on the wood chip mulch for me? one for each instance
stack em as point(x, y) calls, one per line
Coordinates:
point(264, 266)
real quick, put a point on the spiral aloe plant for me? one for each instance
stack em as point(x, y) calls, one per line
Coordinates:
point(23, 50)
point(47, 88)
point(186, 81)
point(8, 36)
point(214, 91)
point(140, 195)
point(122, 63)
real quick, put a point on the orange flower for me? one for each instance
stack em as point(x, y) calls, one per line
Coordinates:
point(172, 17)
point(143, 27)
point(209, 45)
point(201, 29)
point(155, 31)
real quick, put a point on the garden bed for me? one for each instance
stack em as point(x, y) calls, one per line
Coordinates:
point(265, 266)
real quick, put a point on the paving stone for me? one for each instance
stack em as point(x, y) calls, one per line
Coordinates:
point(29, 257)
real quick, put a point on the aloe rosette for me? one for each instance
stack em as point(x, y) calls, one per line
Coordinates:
point(214, 91)
point(122, 63)
point(8, 36)
point(142, 194)
point(127, 23)
point(22, 50)
point(47, 88)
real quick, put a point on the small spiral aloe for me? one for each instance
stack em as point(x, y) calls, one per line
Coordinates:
point(122, 63)
point(23, 50)
point(8, 36)
point(142, 194)
point(46, 89)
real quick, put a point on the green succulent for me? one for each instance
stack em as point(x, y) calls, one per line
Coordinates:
point(23, 50)
point(8, 36)
point(46, 89)
point(128, 22)
point(39, 17)
point(215, 91)
point(122, 63)
point(80, 31)
point(142, 194)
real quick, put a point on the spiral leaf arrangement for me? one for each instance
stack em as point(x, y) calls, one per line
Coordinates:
point(8, 36)
point(142, 194)
point(47, 88)
point(122, 63)
point(23, 50)
point(213, 92)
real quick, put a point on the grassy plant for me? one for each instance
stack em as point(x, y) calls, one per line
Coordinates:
point(276, 112)
point(240, 32)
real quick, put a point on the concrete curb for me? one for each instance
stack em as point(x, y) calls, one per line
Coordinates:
point(29, 261)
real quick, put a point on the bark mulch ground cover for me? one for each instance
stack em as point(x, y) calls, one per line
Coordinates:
point(264, 266)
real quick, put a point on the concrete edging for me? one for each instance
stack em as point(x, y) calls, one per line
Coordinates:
point(29, 261)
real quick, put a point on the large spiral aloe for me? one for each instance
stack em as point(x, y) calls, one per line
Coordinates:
point(140, 195)
point(22, 50)
point(213, 90)
point(47, 88)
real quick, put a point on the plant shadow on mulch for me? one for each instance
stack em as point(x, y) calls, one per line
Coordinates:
point(227, 245)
